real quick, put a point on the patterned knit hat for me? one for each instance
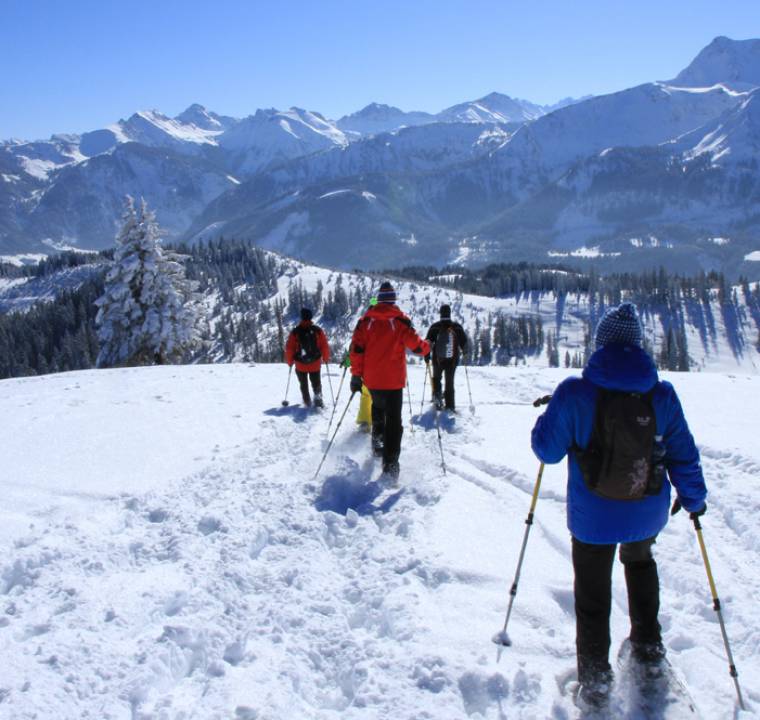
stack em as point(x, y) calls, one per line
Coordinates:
point(446, 311)
point(387, 294)
point(619, 325)
point(306, 314)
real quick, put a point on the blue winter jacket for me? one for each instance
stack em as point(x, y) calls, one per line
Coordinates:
point(568, 421)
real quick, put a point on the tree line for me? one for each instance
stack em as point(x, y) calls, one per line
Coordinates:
point(235, 282)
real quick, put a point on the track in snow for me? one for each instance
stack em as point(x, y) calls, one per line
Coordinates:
point(247, 590)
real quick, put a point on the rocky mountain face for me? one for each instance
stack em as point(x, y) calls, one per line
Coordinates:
point(663, 173)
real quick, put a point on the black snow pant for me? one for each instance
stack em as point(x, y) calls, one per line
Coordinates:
point(593, 600)
point(303, 381)
point(386, 422)
point(445, 368)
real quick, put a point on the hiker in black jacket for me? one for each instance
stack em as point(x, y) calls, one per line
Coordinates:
point(447, 342)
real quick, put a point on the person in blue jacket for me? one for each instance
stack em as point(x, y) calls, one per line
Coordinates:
point(597, 524)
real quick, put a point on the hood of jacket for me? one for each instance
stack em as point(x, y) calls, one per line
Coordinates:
point(385, 311)
point(621, 367)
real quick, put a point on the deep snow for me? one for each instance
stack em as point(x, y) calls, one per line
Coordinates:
point(167, 553)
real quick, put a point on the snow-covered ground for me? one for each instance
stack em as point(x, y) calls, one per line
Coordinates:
point(167, 553)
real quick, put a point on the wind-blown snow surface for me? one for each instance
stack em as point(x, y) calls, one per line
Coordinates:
point(168, 554)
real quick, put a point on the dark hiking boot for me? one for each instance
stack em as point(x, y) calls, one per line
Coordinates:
point(648, 652)
point(438, 402)
point(318, 402)
point(391, 469)
point(306, 401)
point(594, 689)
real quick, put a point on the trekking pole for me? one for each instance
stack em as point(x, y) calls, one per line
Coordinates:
point(502, 638)
point(716, 606)
point(438, 428)
point(409, 395)
point(469, 391)
point(337, 427)
point(337, 397)
point(285, 402)
point(424, 387)
point(329, 382)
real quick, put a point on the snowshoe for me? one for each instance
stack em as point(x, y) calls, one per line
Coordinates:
point(593, 696)
point(649, 684)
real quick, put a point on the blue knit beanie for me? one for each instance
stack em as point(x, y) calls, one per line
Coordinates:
point(619, 325)
point(387, 294)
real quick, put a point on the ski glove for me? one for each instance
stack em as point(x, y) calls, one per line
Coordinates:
point(356, 384)
point(427, 358)
point(697, 513)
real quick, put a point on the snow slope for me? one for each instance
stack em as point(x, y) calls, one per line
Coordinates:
point(168, 554)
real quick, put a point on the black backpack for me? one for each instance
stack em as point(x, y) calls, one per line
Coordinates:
point(625, 456)
point(308, 350)
point(446, 343)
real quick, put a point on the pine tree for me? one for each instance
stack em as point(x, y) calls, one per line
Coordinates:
point(147, 313)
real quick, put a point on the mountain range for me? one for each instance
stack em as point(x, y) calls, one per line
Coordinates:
point(665, 173)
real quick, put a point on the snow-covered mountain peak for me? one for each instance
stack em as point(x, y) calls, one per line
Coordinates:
point(153, 128)
point(493, 108)
point(377, 118)
point(734, 137)
point(734, 63)
point(202, 118)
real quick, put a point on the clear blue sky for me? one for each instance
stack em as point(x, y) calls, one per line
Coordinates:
point(76, 65)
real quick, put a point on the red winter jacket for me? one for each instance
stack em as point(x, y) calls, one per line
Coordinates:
point(293, 347)
point(377, 347)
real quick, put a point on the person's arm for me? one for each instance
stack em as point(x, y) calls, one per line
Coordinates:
point(552, 435)
point(291, 347)
point(324, 347)
point(431, 336)
point(682, 457)
point(358, 345)
point(461, 336)
point(411, 339)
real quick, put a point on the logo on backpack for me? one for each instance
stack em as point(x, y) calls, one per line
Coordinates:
point(625, 456)
point(308, 348)
point(445, 344)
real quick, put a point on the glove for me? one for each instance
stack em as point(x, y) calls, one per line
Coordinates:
point(697, 513)
point(346, 363)
point(427, 358)
point(356, 384)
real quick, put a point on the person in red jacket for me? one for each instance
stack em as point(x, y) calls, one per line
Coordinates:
point(378, 358)
point(307, 347)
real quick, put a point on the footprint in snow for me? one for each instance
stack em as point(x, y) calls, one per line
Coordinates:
point(158, 516)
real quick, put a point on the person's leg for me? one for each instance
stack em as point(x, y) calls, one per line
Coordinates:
point(437, 373)
point(449, 392)
point(643, 586)
point(378, 420)
point(316, 384)
point(593, 600)
point(303, 381)
point(393, 430)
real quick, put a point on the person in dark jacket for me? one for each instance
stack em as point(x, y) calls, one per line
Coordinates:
point(378, 358)
point(307, 347)
point(597, 524)
point(447, 341)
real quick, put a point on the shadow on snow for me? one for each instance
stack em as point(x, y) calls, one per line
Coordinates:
point(298, 413)
point(351, 489)
point(446, 420)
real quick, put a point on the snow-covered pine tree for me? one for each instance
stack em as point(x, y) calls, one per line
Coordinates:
point(148, 312)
